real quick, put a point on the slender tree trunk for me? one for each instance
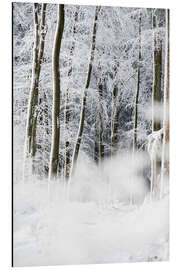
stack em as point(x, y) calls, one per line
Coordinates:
point(101, 128)
point(96, 144)
point(115, 110)
point(83, 108)
point(54, 157)
point(39, 63)
point(101, 121)
point(46, 133)
point(115, 123)
point(67, 109)
point(138, 89)
point(115, 127)
point(165, 151)
point(38, 49)
point(156, 104)
point(31, 106)
point(67, 143)
point(134, 148)
point(166, 159)
point(157, 78)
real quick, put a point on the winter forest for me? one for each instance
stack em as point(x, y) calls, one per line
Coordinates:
point(90, 134)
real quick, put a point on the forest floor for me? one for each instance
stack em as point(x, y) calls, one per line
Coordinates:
point(55, 231)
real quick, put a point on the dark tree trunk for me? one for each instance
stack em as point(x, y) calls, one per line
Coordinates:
point(39, 63)
point(33, 94)
point(54, 157)
point(96, 145)
point(101, 122)
point(157, 103)
point(83, 108)
point(157, 96)
point(138, 89)
point(46, 133)
point(38, 50)
point(67, 108)
point(166, 159)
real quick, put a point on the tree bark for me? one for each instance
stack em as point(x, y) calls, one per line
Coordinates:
point(39, 63)
point(166, 159)
point(138, 89)
point(38, 50)
point(156, 104)
point(83, 108)
point(96, 145)
point(115, 128)
point(67, 109)
point(54, 157)
point(157, 77)
point(101, 127)
point(101, 121)
point(46, 133)
point(31, 105)
point(165, 151)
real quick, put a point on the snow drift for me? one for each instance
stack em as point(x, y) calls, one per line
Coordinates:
point(97, 224)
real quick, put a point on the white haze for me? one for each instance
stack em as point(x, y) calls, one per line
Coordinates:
point(95, 223)
point(157, 114)
point(115, 179)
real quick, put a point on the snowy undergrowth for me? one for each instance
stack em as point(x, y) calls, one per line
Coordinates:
point(116, 179)
point(49, 230)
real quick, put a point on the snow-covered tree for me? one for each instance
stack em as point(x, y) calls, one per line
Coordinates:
point(90, 111)
point(84, 97)
point(97, 99)
point(38, 51)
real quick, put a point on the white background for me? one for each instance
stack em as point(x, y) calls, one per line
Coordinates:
point(6, 125)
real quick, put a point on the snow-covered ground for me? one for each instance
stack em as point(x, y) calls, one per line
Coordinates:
point(49, 230)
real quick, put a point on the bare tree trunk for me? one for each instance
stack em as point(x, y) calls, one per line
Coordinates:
point(115, 123)
point(101, 128)
point(166, 159)
point(138, 88)
point(31, 106)
point(83, 108)
point(156, 104)
point(54, 157)
point(67, 143)
point(39, 62)
point(67, 109)
point(115, 111)
point(96, 144)
point(30, 137)
point(30, 142)
point(46, 133)
point(157, 78)
point(115, 128)
point(165, 151)
point(101, 121)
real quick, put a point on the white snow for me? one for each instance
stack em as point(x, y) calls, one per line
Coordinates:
point(155, 140)
point(106, 214)
point(55, 231)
